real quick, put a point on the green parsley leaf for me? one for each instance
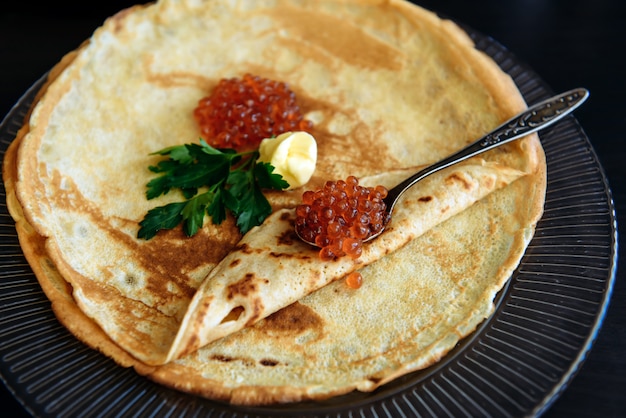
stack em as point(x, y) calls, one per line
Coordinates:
point(193, 212)
point(227, 181)
point(267, 179)
point(217, 208)
point(189, 167)
point(257, 208)
point(162, 217)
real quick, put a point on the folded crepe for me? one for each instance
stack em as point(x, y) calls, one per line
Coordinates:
point(389, 87)
point(270, 268)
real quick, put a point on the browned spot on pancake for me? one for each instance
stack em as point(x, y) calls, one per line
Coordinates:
point(490, 182)
point(243, 287)
point(257, 309)
point(192, 345)
point(456, 177)
point(235, 262)
point(445, 209)
point(425, 198)
point(269, 362)
point(304, 256)
point(287, 238)
point(286, 217)
point(204, 245)
point(222, 358)
point(294, 319)
point(205, 304)
point(374, 379)
point(276, 254)
point(228, 359)
point(173, 255)
point(243, 248)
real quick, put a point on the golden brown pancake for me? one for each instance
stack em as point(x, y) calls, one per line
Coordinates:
point(270, 268)
point(389, 86)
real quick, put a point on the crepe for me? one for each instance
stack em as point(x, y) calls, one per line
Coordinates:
point(388, 85)
point(270, 268)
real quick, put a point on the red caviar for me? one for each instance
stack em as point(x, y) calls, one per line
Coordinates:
point(354, 280)
point(340, 216)
point(240, 113)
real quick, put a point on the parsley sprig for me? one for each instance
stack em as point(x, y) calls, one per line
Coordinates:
point(212, 181)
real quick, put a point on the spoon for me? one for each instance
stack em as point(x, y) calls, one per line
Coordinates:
point(533, 119)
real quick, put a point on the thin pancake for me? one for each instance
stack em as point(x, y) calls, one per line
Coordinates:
point(415, 92)
point(405, 317)
point(271, 268)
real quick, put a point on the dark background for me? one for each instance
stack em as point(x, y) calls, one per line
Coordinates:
point(568, 43)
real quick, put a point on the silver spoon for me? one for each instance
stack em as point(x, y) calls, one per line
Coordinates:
point(533, 119)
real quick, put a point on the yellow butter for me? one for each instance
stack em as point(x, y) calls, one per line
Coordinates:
point(293, 155)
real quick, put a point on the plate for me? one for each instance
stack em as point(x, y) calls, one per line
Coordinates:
point(515, 364)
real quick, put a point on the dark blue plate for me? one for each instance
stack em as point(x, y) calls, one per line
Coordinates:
point(515, 364)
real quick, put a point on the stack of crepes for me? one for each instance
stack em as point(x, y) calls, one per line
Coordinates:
point(260, 319)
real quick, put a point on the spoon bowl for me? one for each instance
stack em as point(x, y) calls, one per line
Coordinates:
point(533, 119)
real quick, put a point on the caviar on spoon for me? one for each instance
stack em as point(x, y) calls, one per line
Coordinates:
point(343, 215)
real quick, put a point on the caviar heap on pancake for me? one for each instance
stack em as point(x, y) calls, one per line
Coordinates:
point(340, 216)
point(241, 112)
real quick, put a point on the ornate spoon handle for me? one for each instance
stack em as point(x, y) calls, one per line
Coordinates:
point(536, 117)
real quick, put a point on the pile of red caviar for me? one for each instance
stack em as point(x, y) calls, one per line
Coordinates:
point(241, 112)
point(340, 216)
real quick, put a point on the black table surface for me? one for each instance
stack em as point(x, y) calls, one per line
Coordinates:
point(573, 43)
